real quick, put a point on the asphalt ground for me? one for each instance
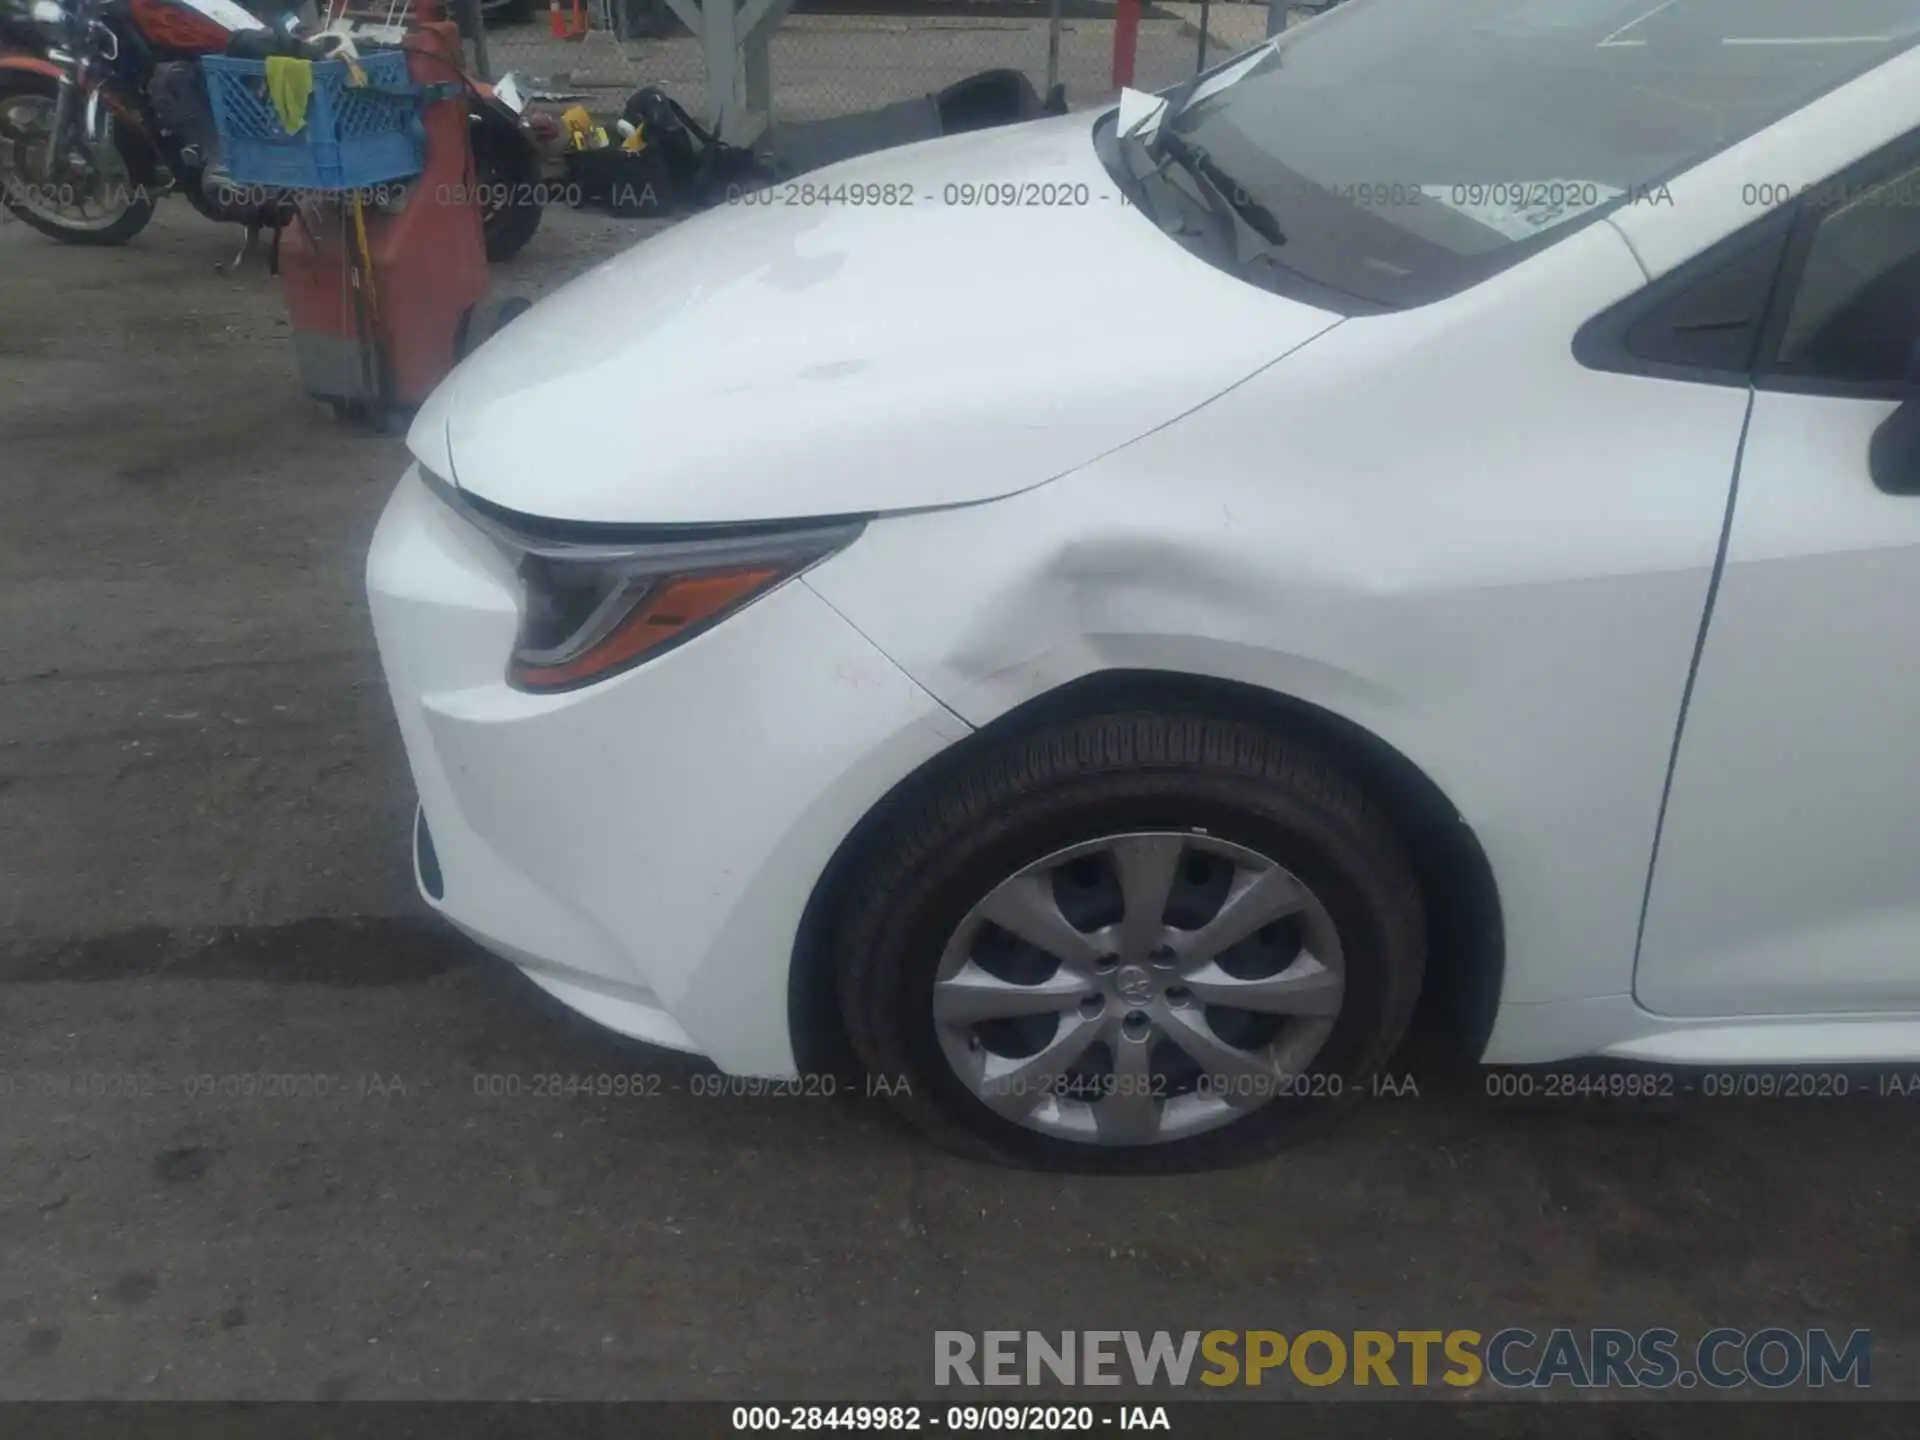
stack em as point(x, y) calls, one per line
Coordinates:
point(204, 880)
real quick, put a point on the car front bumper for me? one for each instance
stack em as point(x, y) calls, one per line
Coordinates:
point(644, 848)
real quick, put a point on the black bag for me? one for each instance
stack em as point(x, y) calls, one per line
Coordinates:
point(670, 132)
point(698, 164)
point(633, 184)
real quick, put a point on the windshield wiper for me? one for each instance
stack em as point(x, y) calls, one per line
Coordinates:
point(1224, 196)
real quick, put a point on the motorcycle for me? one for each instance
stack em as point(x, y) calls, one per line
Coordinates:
point(103, 110)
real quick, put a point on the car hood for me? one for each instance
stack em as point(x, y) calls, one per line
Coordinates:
point(811, 355)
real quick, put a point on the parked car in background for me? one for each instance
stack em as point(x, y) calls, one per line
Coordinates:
point(1110, 615)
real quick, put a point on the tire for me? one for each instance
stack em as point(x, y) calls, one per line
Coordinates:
point(1208, 787)
point(509, 168)
point(134, 156)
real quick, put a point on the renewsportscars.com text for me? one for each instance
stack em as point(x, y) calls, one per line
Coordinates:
point(1513, 1358)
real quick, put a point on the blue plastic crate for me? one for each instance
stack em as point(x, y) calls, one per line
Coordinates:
point(354, 136)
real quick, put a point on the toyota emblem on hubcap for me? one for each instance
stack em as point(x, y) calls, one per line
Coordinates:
point(1135, 985)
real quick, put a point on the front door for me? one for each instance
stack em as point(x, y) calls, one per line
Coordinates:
point(1787, 879)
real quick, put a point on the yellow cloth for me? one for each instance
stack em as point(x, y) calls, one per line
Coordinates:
point(290, 87)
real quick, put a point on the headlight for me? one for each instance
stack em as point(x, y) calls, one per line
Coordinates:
point(590, 613)
point(590, 609)
point(54, 22)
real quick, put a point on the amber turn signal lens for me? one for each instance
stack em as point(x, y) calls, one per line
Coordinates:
point(670, 610)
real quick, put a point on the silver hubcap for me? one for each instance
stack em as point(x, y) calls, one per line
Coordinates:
point(1138, 988)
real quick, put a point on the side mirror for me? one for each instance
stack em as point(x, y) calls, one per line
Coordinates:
point(1893, 459)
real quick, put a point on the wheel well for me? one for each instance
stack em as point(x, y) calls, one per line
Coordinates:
point(1466, 937)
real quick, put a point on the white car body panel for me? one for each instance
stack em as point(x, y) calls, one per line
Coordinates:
point(871, 351)
point(1836, 1040)
point(1532, 666)
point(1436, 525)
point(612, 899)
point(1619, 1027)
point(1800, 741)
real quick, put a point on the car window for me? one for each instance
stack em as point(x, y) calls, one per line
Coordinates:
point(1855, 313)
point(1408, 148)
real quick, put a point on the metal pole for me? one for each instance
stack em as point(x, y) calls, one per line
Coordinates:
point(726, 75)
point(1053, 45)
point(481, 61)
point(1126, 40)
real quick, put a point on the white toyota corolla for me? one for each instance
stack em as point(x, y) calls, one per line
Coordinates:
point(1109, 615)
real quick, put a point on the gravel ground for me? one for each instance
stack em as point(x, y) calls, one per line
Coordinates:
point(203, 873)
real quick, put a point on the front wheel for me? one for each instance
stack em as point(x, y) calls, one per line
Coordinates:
point(101, 196)
point(1137, 942)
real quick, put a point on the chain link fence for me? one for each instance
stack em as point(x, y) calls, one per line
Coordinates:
point(840, 57)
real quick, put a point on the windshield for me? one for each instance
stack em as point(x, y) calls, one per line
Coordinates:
point(1411, 147)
